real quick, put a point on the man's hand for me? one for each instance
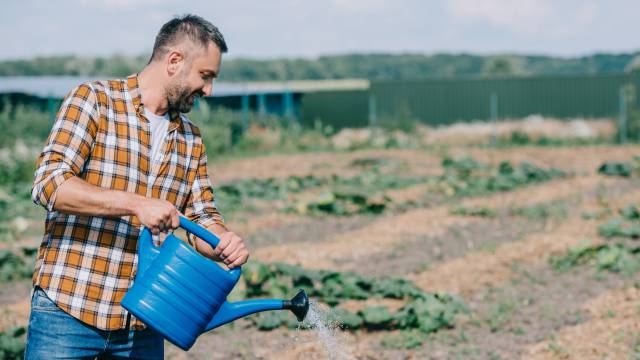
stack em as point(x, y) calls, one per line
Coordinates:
point(231, 250)
point(157, 215)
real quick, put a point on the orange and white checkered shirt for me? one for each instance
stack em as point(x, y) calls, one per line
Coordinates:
point(87, 263)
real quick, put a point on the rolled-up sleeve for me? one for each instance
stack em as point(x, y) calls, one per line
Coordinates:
point(201, 206)
point(68, 146)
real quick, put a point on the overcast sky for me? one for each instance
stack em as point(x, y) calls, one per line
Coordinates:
point(298, 28)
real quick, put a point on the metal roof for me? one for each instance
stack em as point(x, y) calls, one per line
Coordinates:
point(59, 86)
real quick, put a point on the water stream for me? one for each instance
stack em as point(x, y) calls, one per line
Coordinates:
point(327, 332)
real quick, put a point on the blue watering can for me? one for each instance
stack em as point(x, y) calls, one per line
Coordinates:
point(181, 294)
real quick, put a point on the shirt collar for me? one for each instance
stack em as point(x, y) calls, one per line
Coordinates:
point(136, 96)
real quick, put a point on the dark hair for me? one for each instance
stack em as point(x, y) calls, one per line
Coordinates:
point(197, 29)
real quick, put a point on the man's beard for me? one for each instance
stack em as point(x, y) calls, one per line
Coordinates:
point(180, 98)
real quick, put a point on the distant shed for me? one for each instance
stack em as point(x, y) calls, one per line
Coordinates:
point(359, 103)
point(303, 100)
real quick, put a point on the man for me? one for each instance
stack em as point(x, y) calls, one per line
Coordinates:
point(120, 156)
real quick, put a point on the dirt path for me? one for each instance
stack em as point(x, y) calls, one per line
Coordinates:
point(612, 332)
point(481, 268)
point(303, 230)
point(323, 163)
point(505, 321)
point(14, 314)
point(510, 280)
point(579, 159)
point(377, 238)
point(417, 161)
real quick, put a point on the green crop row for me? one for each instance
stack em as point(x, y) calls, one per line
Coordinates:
point(467, 177)
point(550, 210)
point(365, 193)
point(270, 189)
point(343, 203)
point(620, 168)
point(274, 188)
point(612, 257)
point(620, 253)
point(625, 225)
point(423, 311)
point(473, 211)
point(344, 195)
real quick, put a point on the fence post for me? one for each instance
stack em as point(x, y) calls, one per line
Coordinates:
point(622, 117)
point(373, 111)
point(288, 110)
point(493, 110)
point(245, 111)
point(262, 105)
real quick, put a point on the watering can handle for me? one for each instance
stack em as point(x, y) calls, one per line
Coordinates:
point(199, 231)
point(207, 236)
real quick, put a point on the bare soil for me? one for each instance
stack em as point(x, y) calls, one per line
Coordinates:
point(521, 307)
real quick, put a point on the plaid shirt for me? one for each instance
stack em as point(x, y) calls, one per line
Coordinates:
point(86, 263)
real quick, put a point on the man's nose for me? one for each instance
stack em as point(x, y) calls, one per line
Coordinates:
point(208, 87)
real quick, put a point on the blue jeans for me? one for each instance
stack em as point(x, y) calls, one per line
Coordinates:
point(54, 334)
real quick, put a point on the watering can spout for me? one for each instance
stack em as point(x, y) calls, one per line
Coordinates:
point(230, 311)
point(299, 305)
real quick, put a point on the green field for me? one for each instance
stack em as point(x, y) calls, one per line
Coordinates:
point(425, 244)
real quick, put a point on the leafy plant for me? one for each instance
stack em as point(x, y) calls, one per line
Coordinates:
point(14, 266)
point(620, 168)
point(424, 311)
point(12, 343)
point(574, 256)
point(404, 340)
point(467, 177)
point(619, 227)
point(363, 193)
point(618, 259)
point(344, 203)
point(626, 225)
point(270, 320)
point(429, 313)
point(347, 319)
point(376, 317)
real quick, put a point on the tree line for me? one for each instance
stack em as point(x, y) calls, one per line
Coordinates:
point(375, 66)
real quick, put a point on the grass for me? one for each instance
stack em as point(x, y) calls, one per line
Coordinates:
point(404, 340)
point(519, 138)
point(473, 211)
point(636, 348)
point(557, 349)
point(12, 343)
point(556, 210)
point(500, 314)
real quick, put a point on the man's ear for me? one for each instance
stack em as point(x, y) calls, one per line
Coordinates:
point(175, 61)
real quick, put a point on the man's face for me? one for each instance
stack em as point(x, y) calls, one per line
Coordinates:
point(194, 79)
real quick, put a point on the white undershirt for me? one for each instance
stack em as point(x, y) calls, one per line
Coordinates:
point(158, 127)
